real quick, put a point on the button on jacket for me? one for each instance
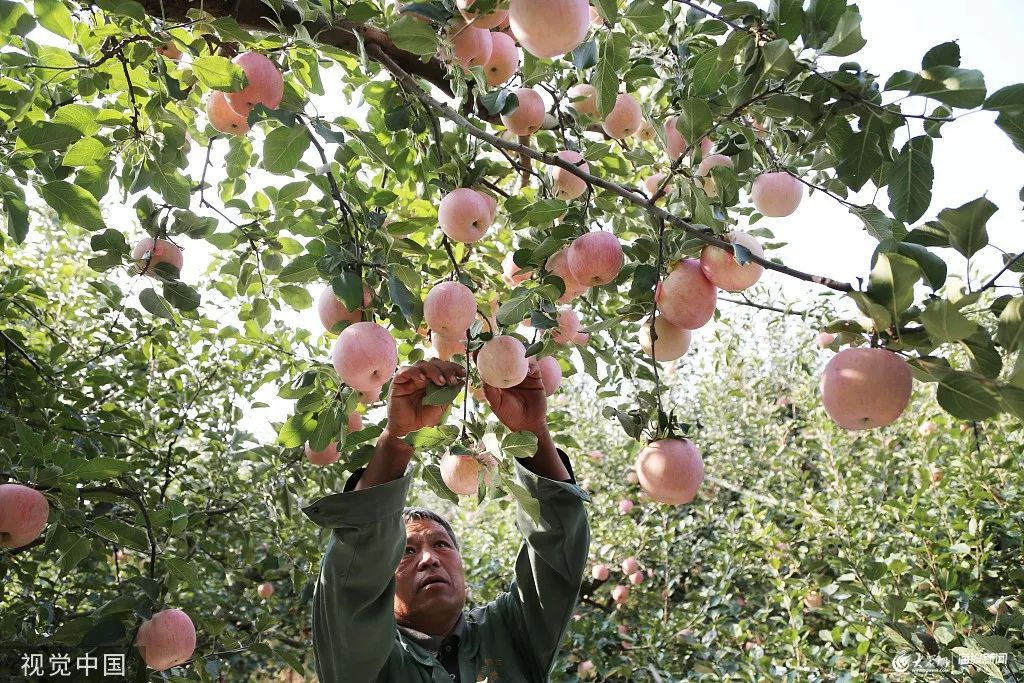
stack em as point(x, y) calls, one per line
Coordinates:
point(513, 639)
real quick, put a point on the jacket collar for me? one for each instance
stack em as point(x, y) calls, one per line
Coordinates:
point(424, 647)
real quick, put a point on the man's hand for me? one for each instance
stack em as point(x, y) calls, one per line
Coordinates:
point(406, 412)
point(524, 407)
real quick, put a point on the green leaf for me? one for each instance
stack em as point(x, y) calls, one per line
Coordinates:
point(441, 396)
point(606, 78)
point(778, 59)
point(967, 397)
point(121, 533)
point(859, 158)
point(706, 75)
point(983, 355)
point(328, 427)
point(1013, 399)
point(963, 88)
point(608, 9)
point(55, 17)
point(1008, 99)
point(788, 16)
point(910, 181)
point(891, 283)
point(71, 547)
point(1012, 123)
point(433, 438)
point(645, 15)
point(408, 303)
point(515, 310)
point(528, 504)
point(943, 54)
point(155, 304)
point(694, 120)
point(1010, 332)
point(125, 8)
point(99, 468)
point(945, 322)
point(300, 270)
point(219, 73)
point(15, 19)
point(16, 215)
point(169, 182)
point(85, 152)
point(966, 225)
point(73, 204)
point(415, 36)
point(931, 265)
point(296, 430)
point(184, 570)
point(284, 147)
point(432, 477)
point(181, 296)
point(519, 445)
point(846, 39)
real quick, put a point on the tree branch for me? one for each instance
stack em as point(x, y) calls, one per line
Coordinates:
point(633, 197)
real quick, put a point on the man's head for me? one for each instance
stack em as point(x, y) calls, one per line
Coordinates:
point(430, 590)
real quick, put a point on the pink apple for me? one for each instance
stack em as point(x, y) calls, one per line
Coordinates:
point(566, 185)
point(686, 298)
point(324, 457)
point(864, 388)
point(23, 515)
point(624, 119)
point(595, 258)
point(365, 356)
point(166, 640)
point(504, 61)
point(450, 309)
point(722, 269)
point(550, 374)
point(464, 215)
point(528, 116)
point(266, 84)
point(502, 362)
point(599, 572)
point(777, 194)
point(670, 470)
point(549, 28)
point(223, 117)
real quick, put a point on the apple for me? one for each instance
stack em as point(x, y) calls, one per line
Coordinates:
point(266, 84)
point(504, 60)
point(670, 470)
point(865, 388)
point(630, 565)
point(324, 457)
point(472, 46)
point(149, 253)
point(511, 273)
point(671, 342)
point(704, 169)
point(624, 119)
point(445, 348)
point(223, 117)
point(675, 143)
point(23, 515)
point(632, 478)
point(928, 428)
point(636, 578)
point(776, 194)
point(550, 374)
point(464, 215)
point(566, 185)
point(461, 473)
point(936, 474)
point(169, 50)
point(586, 669)
point(450, 309)
point(647, 131)
point(686, 298)
point(166, 640)
point(599, 572)
point(568, 329)
point(583, 98)
point(528, 117)
point(502, 362)
point(558, 265)
point(595, 258)
point(265, 590)
point(722, 269)
point(625, 505)
point(549, 28)
point(654, 182)
point(620, 594)
point(332, 310)
point(365, 356)
point(824, 340)
point(487, 20)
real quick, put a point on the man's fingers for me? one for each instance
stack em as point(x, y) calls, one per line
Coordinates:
point(432, 372)
point(493, 395)
point(410, 373)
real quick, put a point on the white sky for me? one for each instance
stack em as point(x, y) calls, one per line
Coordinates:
point(973, 158)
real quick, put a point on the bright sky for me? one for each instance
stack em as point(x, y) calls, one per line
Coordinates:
point(972, 159)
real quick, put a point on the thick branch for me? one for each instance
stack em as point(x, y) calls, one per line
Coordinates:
point(633, 197)
point(342, 34)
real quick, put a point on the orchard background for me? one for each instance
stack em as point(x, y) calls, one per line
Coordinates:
point(163, 416)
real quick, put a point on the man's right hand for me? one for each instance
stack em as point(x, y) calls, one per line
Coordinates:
point(406, 411)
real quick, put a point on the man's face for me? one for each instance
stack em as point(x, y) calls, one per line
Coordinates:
point(431, 586)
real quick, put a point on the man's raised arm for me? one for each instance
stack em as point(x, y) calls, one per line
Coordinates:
point(550, 565)
point(353, 603)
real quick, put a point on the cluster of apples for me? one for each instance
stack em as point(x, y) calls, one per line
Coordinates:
point(229, 112)
point(164, 641)
point(631, 570)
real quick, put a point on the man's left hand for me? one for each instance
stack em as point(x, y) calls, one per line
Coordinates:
point(524, 407)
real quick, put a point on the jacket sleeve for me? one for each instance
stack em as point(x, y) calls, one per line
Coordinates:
point(353, 601)
point(549, 570)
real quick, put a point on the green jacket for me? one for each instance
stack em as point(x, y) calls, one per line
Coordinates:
point(513, 639)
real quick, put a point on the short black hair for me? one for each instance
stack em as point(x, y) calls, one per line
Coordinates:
point(410, 514)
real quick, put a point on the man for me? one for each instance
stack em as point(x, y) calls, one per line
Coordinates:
point(389, 603)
